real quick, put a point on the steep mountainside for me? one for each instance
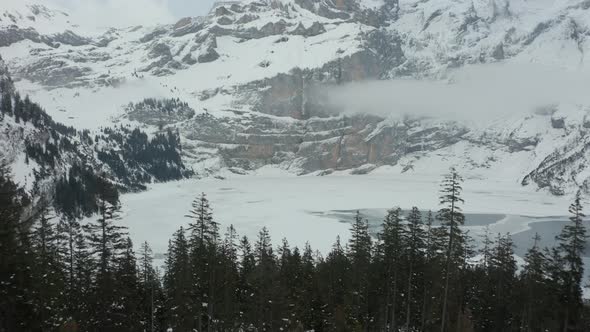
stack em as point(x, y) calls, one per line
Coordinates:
point(72, 167)
point(242, 84)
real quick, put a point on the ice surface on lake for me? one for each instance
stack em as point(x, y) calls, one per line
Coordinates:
point(303, 209)
point(289, 205)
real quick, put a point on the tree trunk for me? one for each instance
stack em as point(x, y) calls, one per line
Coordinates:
point(447, 276)
point(409, 304)
point(448, 271)
point(394, 298)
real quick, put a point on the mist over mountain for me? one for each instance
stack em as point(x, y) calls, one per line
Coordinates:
point(329, 86)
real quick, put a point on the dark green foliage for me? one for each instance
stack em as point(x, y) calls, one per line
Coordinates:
point(264, 282)
point(245, 290)
point(128, 291)
point(451, 218)
point(503, 285)
point(57, 275)
point(536, 313)
point(177, 281)
point(80, 191)
point(152, 301)
point(78, 270)
point(360, 258)
point(167, 106)
point(47, 275)
point(6, 102)
point(107, 245)
point(16, 284)
point(140, 158)
point(572, 242)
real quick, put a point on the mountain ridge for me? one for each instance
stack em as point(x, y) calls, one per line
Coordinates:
point(252, 70)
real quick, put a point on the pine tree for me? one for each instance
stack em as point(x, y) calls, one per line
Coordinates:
point(177, 283)
point(246, 288)
point(264, 279)
point(6, 103)
point(106, 242)
point(48, 270)
point(359, 251)
point(392, 243)
point(451, 218)
point(503, 284)
point(309, 305)
point(486, 251)
point(289, 286)
point(572, 242)
point(128, 293)
point(18, 108)
point(534, 291)
point(16, 285)
point(229, 280)
point(204, 230)
point(77, 270)
point(336, 287)
point(203, 251)
point(149, 287)
point(415, 246)
point(484, 296)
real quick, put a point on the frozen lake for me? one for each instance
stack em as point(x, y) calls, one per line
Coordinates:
point(306, 208)
point(316, 209)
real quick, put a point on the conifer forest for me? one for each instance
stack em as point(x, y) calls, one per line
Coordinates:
point(420, 273)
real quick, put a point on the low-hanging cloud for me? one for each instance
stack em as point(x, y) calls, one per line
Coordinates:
point(125, 13)
point(477, 92)
point(118, 13)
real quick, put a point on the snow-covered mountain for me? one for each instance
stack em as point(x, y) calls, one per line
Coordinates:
point(72, 168)
point(242, 83)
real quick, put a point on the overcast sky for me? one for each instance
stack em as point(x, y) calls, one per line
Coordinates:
point(122, 13)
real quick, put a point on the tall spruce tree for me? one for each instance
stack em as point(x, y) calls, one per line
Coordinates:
point(289, 285)
point(535, 291)
point(415, 246)
point(359, 251)
point(483, 296)
point(310, 306)
point(128, 290)
point(204, 230)
point(149, 288)
point(246, 285)
point(264, 280)
point(392, 243)
point(177, 284)
point(572, 242)
point(48, 271)
point(106, 242)
point(433, 244)
point(16, 314)
point(6, 103)
point(203, 251)
point(229, 279)
point(502, 279)
point(451, 218)
point(336, 287)
point(78, 271)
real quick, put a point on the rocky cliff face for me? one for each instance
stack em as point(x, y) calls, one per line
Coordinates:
point(252, 73)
